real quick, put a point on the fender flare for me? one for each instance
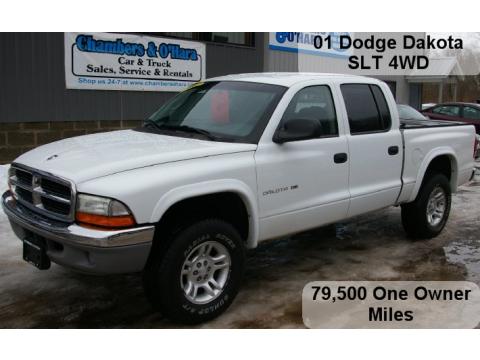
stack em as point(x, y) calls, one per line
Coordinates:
point(444, 150)
point(180, 193)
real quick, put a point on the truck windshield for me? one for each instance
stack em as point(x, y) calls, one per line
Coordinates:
point(223, 111)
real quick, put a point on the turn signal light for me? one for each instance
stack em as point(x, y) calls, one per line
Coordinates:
point(112, 222)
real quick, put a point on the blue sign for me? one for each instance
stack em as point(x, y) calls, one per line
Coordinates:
point(312, 43)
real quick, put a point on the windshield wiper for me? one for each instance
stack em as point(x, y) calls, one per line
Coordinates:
point(151, 123)
point(194, 130)
point(182, 128)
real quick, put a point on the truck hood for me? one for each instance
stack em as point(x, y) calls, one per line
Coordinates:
point(91, 156)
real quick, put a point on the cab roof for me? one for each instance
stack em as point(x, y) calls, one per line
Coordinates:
point(288, 79)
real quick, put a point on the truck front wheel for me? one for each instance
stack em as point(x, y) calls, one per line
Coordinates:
point(200, 273)
point(426, 217)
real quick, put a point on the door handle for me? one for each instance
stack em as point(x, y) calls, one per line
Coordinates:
point(340, 158)
point(393, 150)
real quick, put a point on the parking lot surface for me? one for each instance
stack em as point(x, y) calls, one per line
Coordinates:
point(370, 247)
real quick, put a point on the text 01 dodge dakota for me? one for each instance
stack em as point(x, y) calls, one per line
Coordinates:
point(225, 164)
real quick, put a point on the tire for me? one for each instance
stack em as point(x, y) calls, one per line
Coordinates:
point(418, 218)
point(173, 293)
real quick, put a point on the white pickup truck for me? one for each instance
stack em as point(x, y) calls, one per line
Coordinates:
point(225, 164)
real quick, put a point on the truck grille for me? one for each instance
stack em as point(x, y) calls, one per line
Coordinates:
point(44, 193)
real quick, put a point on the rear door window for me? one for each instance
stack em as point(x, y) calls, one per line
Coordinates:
point(471, 113)
point(367, 108)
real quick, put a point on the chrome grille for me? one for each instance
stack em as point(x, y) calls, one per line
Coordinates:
point(42, 192)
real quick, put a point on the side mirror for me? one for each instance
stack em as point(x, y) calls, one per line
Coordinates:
point(297, 129)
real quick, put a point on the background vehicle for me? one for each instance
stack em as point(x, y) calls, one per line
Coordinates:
point(468, 113)
point(406, 112)
point(225, 165)
point(427, 105)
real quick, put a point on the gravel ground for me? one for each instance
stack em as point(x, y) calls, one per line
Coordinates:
point(369, 247)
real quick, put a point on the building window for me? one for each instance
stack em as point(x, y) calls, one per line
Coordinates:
point(182, 35)
point(234, 38)
point(237, 38)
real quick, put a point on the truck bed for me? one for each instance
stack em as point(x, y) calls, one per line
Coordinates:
point(419, 124)
point(422, 139)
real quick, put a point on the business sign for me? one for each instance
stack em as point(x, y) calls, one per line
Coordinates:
point(312, 43)
point(101, 61)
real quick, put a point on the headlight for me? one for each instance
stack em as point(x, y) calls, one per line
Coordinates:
point(103, 212)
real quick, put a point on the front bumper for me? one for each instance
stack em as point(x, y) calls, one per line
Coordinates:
point(86, 250)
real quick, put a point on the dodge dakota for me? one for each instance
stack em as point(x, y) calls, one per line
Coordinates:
point(228, 163)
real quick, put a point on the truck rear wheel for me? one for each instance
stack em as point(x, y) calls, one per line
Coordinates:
point(200, 273)
point(426, 217)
